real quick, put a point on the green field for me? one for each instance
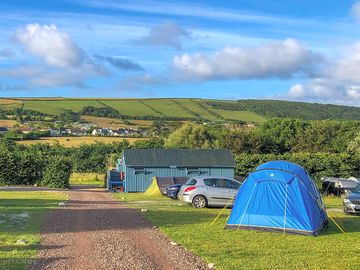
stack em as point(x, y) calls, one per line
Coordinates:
point(21, 214)
point(240, 115)
point(238, 249)
point(193, 105)
point(254, 111)
point(130, 107)
point(10, 104)
point(183, 108)
point(55, 107)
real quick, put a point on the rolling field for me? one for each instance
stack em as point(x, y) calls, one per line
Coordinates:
point(168, 107)
point(77, 141)
point(131, 107)
point(56, 107)
point(10, 104)
point(8, 123)
point(115, 123)
point(240, 115)
point(197, 106)
point(155, 107)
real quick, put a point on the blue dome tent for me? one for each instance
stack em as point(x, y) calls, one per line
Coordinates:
point(279, 196)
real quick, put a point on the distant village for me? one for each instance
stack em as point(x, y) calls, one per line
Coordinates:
point(76, 129)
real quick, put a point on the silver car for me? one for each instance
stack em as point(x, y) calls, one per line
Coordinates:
point(352, 202)
point(209, 191)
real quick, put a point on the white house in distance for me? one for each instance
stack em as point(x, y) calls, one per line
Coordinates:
point(114, 132)
point(55, 132)
point(102, 132)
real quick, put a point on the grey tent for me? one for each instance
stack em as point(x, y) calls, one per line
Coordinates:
point(338, 186)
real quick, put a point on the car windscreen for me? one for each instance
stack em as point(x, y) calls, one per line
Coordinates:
point(191, 182)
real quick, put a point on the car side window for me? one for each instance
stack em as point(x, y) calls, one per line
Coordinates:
point(223, 183)
point(232, 184)
point(212, 182)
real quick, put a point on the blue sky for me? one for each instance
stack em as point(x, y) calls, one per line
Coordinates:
point(288, 49)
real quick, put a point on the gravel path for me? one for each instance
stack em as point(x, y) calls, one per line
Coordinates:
point(95, 232)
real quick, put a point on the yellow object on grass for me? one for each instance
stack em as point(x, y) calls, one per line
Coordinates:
point(153, 190)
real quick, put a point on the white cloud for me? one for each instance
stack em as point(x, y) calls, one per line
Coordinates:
point(167, 34)
point(339, 83)
point(355, 11)
point(37, 76)
point(65, 64)
point(348, 68)
point(56, 48)
point(278, 60)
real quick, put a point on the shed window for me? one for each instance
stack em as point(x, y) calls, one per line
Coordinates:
point(140, 171)
point(193, 170)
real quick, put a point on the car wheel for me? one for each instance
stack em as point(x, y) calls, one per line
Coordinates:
point(199, 202)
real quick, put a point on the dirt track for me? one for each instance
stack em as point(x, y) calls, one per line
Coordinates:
point(95, 232)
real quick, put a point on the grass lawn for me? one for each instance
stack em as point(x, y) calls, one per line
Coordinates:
point(333, 202)
point(232, 249)
point(77, 141)
point(21, 215)
point(87, 179)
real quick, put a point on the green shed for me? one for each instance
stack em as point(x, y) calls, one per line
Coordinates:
point(138, 166)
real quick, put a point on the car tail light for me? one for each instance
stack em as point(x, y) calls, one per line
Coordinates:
point(189, 189)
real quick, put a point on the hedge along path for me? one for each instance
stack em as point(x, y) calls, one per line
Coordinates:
point(95, 232)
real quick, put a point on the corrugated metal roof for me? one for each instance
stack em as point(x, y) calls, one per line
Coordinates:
point(179, 157)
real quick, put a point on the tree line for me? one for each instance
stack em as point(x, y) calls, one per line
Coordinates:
point(324, 148)
point(285, 109)
point(51, 165)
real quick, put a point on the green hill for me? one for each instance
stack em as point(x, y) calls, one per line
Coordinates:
point(255, 111)
point(282, 108)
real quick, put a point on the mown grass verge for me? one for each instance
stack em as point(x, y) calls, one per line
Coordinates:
point(87, 179)
point(21, 214)
point(237, 249)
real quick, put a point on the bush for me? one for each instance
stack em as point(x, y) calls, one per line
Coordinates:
point(8, 165)
point(57, 173)
point(317, 164)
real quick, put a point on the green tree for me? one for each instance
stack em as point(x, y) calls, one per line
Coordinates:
point(57, 173)
point(326, 136)
point(282, 131)
point(354, 145)
point(246, 141)
point(154, 142)
point(8, 164)
point(190, 136)
point(68, 116)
